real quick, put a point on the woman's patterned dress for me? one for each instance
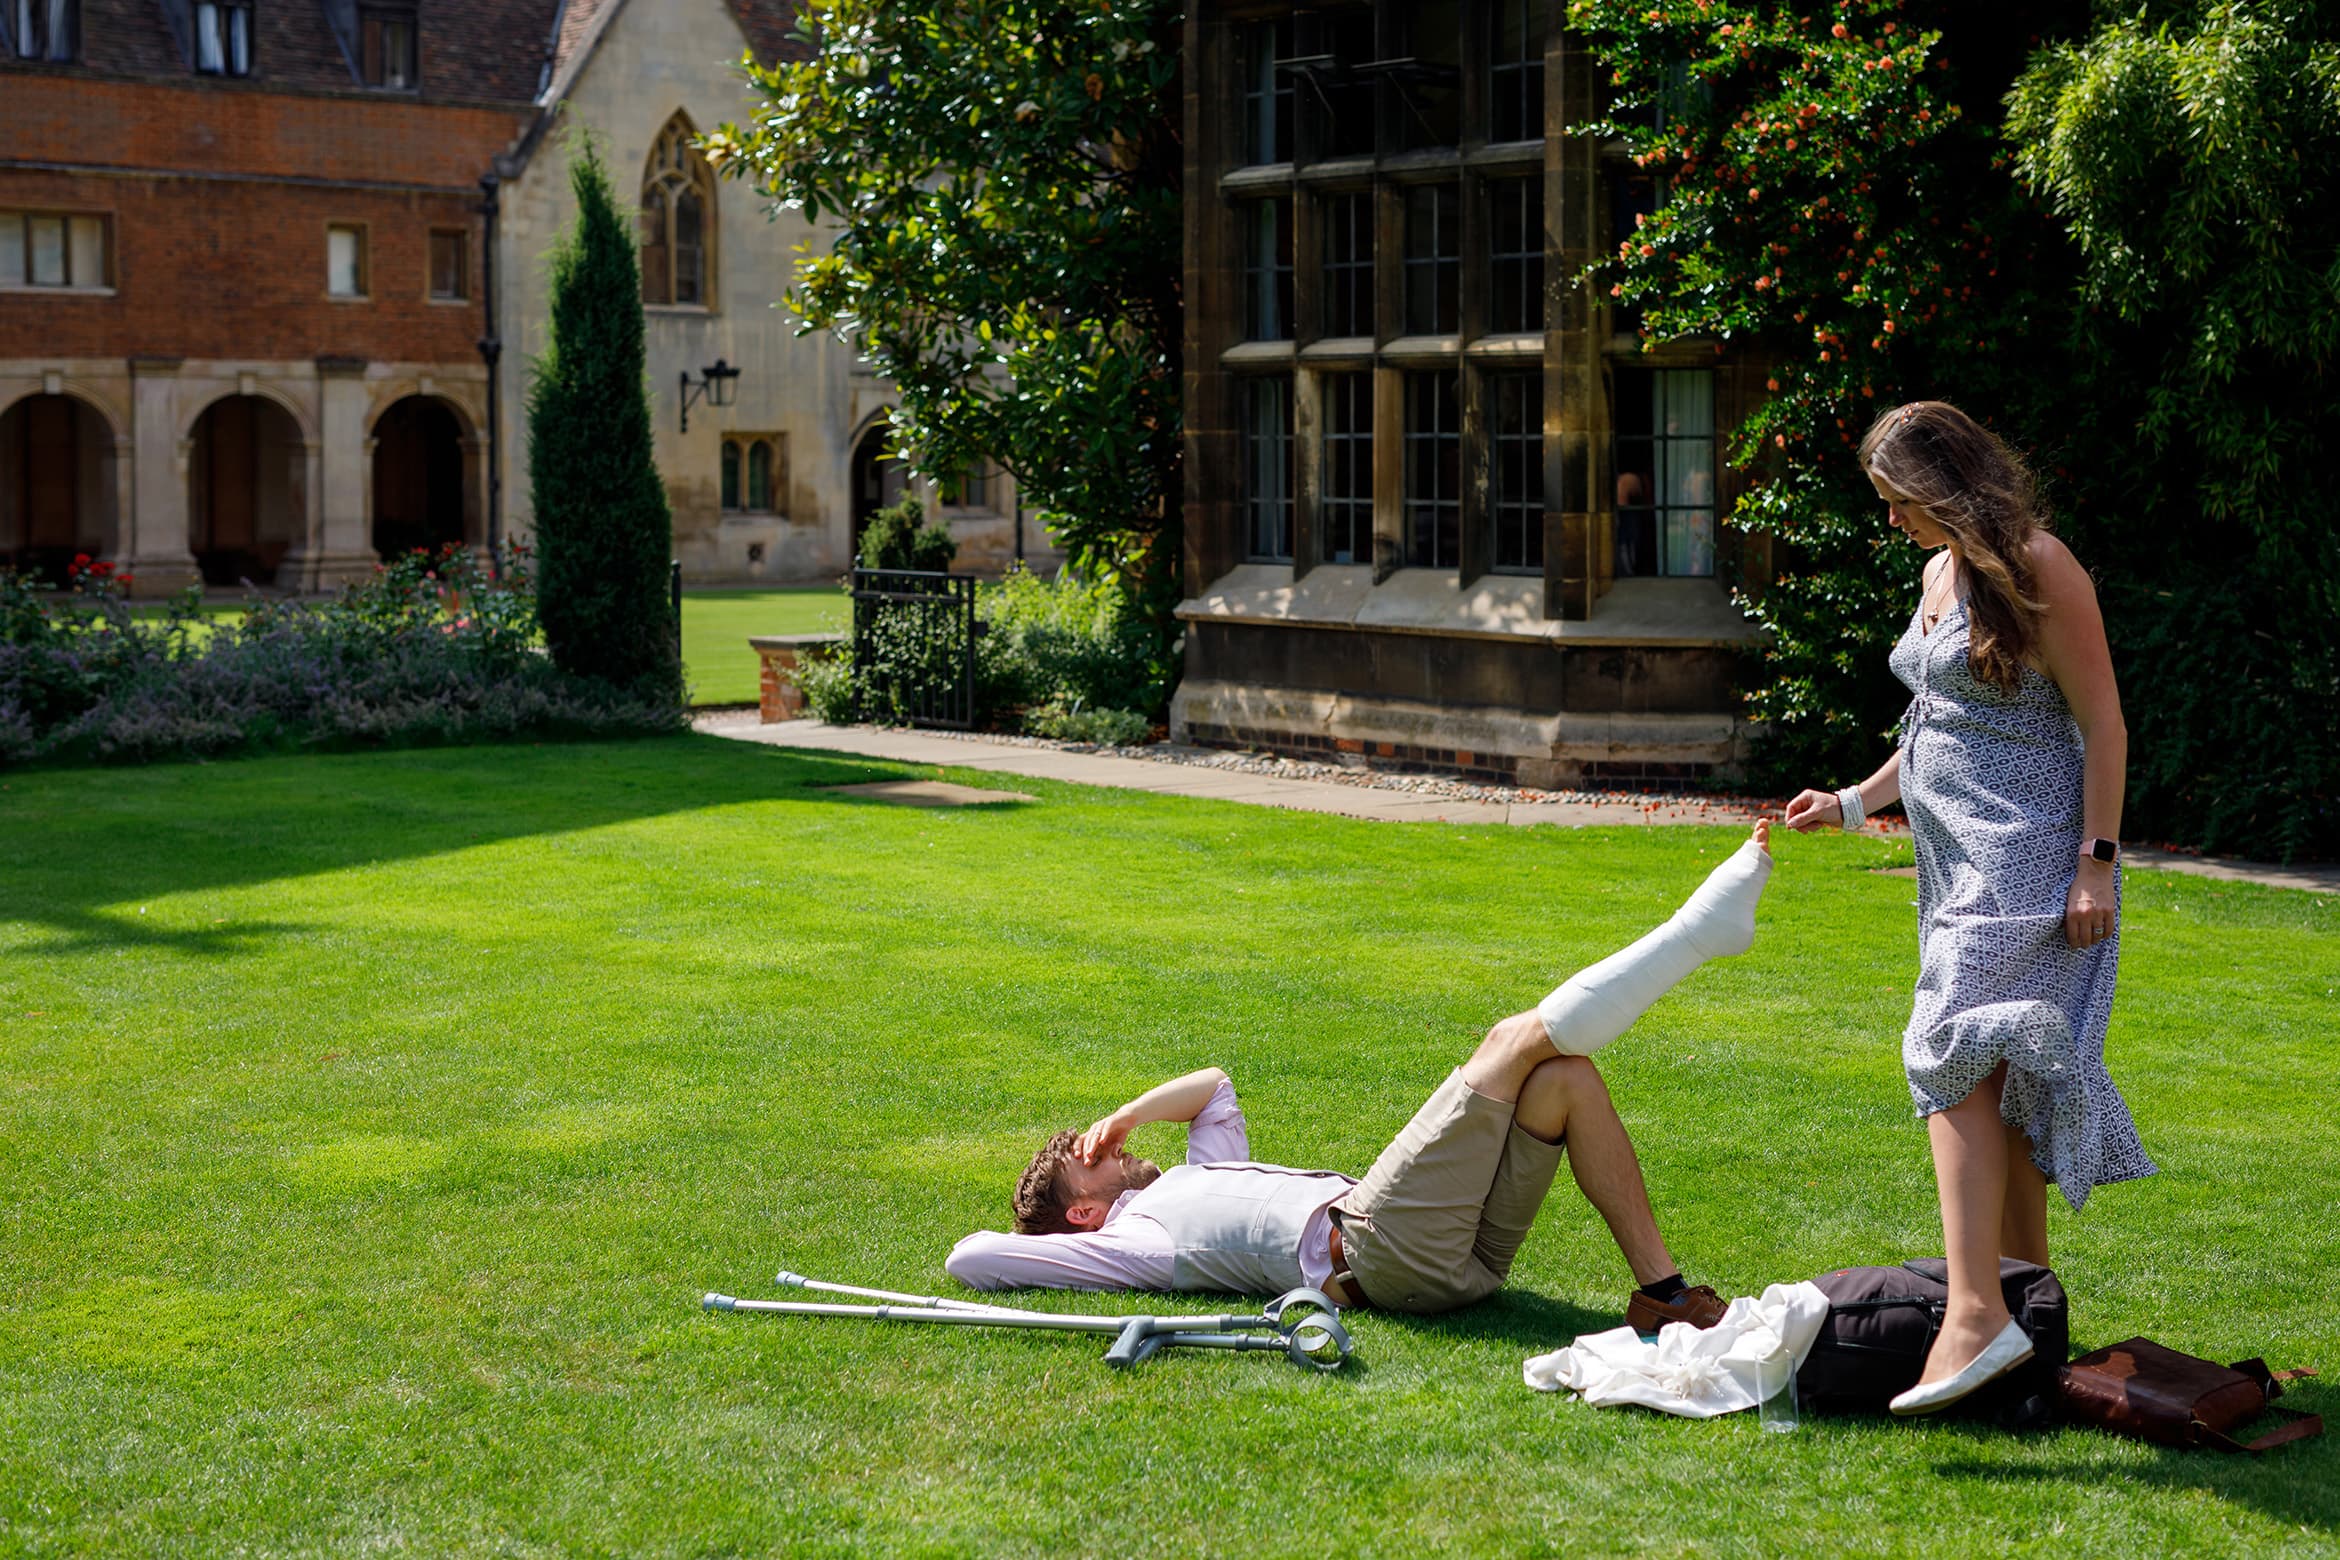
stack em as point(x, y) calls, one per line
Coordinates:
point(1991, 783)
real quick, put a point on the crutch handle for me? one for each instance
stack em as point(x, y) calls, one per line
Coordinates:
point(1136, 1342)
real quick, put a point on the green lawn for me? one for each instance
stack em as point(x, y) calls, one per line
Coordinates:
point(717, 623)
point(371, 1125)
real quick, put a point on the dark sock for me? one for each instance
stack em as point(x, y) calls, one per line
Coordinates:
point(1664, 1289)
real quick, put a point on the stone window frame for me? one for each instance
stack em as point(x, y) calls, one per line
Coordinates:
point(738, 471)
point(1264, 452)
point(1659, 445)
point(674, 169)
point(1345, 494)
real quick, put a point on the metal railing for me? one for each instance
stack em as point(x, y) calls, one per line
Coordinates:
point(914, 647)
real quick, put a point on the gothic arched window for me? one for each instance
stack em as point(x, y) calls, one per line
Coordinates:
point(759, 482)
point(730, 474)
point(677, 220)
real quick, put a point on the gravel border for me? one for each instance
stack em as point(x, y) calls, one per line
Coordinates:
point(1238, 761)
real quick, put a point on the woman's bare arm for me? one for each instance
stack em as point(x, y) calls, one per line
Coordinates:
point(2073, 652)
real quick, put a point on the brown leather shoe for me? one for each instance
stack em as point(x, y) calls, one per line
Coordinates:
point(1699, 1306)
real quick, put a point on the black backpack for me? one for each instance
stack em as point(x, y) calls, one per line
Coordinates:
point(1882, 1320)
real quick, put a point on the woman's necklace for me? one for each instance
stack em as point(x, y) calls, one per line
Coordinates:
point(1948, 595)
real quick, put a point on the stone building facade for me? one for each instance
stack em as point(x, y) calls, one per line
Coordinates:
point(246, 282)
point(773, 486)
point(239, 282)
point(1442, 508)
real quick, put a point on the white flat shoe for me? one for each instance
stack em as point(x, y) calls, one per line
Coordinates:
point(2001, 1355)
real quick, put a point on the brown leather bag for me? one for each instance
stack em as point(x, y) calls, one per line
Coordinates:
point(2141, 1389)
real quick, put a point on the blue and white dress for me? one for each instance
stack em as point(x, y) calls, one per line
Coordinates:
point(1991, 783)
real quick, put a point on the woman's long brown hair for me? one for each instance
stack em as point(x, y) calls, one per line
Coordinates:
point(1970, 484)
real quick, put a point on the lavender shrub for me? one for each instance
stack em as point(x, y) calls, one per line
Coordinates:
point(431, 649)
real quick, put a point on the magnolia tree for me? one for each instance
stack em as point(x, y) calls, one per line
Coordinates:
point(998, 185)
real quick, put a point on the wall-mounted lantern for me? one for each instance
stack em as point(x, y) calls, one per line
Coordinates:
point(715, 383)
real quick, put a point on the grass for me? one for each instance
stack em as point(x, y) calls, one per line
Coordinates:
point(371, 1125)
point(717, 623)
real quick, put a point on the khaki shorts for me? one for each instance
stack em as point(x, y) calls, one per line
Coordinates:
point(1436, 1222)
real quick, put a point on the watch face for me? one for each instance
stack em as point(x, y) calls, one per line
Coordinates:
point(2103, 850)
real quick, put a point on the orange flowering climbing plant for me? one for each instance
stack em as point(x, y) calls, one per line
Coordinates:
point(1834, 200)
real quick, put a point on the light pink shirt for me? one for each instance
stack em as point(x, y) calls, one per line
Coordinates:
point(1129, 1250)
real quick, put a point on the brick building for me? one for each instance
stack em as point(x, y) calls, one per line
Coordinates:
point(1442, 509)
point(245, 280)
point(239, 278)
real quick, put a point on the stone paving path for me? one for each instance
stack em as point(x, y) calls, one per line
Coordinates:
point(1328, 796)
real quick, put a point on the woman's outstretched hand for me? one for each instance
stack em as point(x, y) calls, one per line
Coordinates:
point(2089, 915)
point(1814, 810)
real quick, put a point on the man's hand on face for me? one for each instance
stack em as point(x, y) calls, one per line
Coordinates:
point(1105, 1138)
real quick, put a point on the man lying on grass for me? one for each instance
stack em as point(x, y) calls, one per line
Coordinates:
point(1437, 1220)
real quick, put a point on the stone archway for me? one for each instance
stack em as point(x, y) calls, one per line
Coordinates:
point(247, 478)
point(422, 485)
point(878, 478)
point(58, 493)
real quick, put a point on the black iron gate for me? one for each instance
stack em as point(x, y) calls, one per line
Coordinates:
point(914, 647)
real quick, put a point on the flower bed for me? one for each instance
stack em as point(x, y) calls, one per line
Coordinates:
point(431, 648)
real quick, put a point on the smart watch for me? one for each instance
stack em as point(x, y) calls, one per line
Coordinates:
point(2101, 849)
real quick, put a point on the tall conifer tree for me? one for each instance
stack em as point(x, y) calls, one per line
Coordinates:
point(603, 531)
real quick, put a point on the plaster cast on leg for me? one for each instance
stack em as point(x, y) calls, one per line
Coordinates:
point(1595, 1006)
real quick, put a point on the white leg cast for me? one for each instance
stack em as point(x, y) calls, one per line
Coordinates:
point(1595, 1006)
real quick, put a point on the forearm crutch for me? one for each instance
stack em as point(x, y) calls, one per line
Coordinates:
point(1303, 1325)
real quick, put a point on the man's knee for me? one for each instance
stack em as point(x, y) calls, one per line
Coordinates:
point(1520, 1039)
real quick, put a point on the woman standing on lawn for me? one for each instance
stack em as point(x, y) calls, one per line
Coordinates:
point(2010, 767)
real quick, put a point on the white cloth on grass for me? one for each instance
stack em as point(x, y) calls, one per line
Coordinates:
point(1696, 1373)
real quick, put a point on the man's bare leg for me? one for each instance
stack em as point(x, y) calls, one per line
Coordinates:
point(1565, 1099)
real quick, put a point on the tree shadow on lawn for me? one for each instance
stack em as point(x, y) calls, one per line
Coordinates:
point(2295, 1484)
point(78, 845)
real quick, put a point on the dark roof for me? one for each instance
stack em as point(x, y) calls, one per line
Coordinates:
point(471, 50)
point(570, 30)
point(769, 25)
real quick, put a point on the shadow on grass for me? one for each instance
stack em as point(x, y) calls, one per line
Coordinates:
point(1535, 1322)
point(2296, 1484)
point(82, 850)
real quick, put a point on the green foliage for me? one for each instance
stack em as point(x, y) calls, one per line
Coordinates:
point(1005, 182)
point(1067, 658)
point(899, 537)
point(1070, 722)
point(603, 534)
point(429, 648)
point(830, 692)
point(2194, 153)
point(1835, 203)
point(1076, 643)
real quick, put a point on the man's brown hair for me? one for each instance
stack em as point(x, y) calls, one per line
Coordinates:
point(1040, 1202)
point(1040, 1194)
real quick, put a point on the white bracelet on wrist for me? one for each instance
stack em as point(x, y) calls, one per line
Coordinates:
point(1855, 812)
